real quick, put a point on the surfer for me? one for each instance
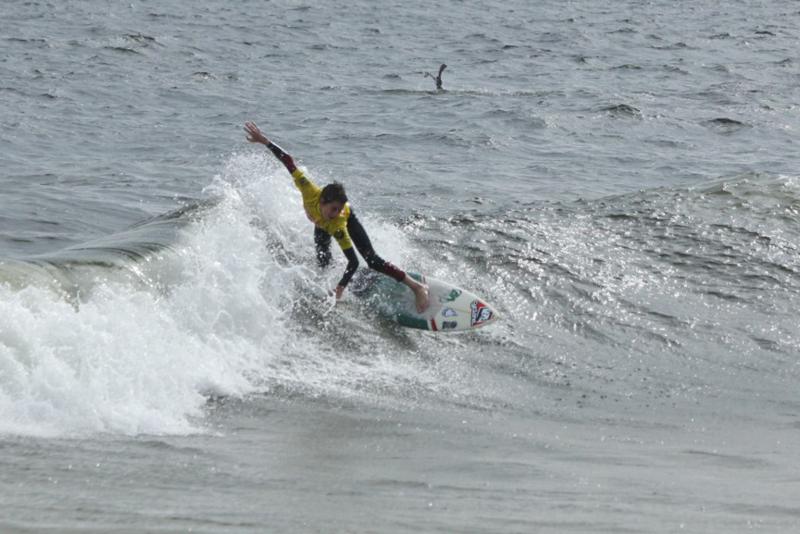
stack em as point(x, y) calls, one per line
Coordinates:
point(331, 214)
point(438, 77)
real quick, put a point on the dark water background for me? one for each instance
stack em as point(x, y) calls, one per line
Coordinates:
point(618, 179)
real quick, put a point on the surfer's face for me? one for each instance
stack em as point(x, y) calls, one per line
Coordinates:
point(330, 210)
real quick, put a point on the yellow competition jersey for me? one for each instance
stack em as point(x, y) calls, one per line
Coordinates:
point(311, 193)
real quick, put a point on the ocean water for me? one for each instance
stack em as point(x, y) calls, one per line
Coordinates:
point(619, 179)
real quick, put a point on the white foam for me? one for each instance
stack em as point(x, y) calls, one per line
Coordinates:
point(219, 317)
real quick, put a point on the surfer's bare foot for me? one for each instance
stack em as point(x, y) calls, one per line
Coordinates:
point(420, 293)
point(421, 296)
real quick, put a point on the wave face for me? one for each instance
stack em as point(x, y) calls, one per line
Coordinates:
point(130, 334)
point(669, 295)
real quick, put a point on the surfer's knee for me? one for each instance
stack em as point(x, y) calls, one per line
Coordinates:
point(374, 262)
point(375, 265)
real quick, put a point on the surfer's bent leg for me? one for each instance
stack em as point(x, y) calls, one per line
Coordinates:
point(322, 242)
point(361, 240)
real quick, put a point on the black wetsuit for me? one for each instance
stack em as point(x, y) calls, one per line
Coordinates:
point(322, 241)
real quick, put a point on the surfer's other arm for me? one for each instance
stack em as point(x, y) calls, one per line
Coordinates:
point(350, 270)
point(255, 136)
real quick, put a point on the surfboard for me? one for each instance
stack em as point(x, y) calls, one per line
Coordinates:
point(452, 309)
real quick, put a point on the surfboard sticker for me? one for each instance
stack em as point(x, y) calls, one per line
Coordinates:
point(481, 313)
point(450, 297)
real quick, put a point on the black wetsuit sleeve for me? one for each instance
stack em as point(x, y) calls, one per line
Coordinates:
point(352, 266)
point(285, 158)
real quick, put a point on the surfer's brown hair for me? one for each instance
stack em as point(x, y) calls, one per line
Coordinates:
point(333, 193)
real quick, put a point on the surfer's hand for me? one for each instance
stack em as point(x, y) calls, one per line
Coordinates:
point(254, 134)
point(339, 291)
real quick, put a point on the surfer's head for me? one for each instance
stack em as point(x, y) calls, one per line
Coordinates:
point(332, 200)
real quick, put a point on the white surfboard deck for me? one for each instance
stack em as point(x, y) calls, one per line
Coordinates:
point(451, 308)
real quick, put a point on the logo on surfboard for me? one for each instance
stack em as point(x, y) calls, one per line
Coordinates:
point(449, 312)
point(450, 297)
point(481, 313)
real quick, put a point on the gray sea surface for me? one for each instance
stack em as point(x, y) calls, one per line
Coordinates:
point(619, 179)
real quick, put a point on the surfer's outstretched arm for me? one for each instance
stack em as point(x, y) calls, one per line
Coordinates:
point(255, 136)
